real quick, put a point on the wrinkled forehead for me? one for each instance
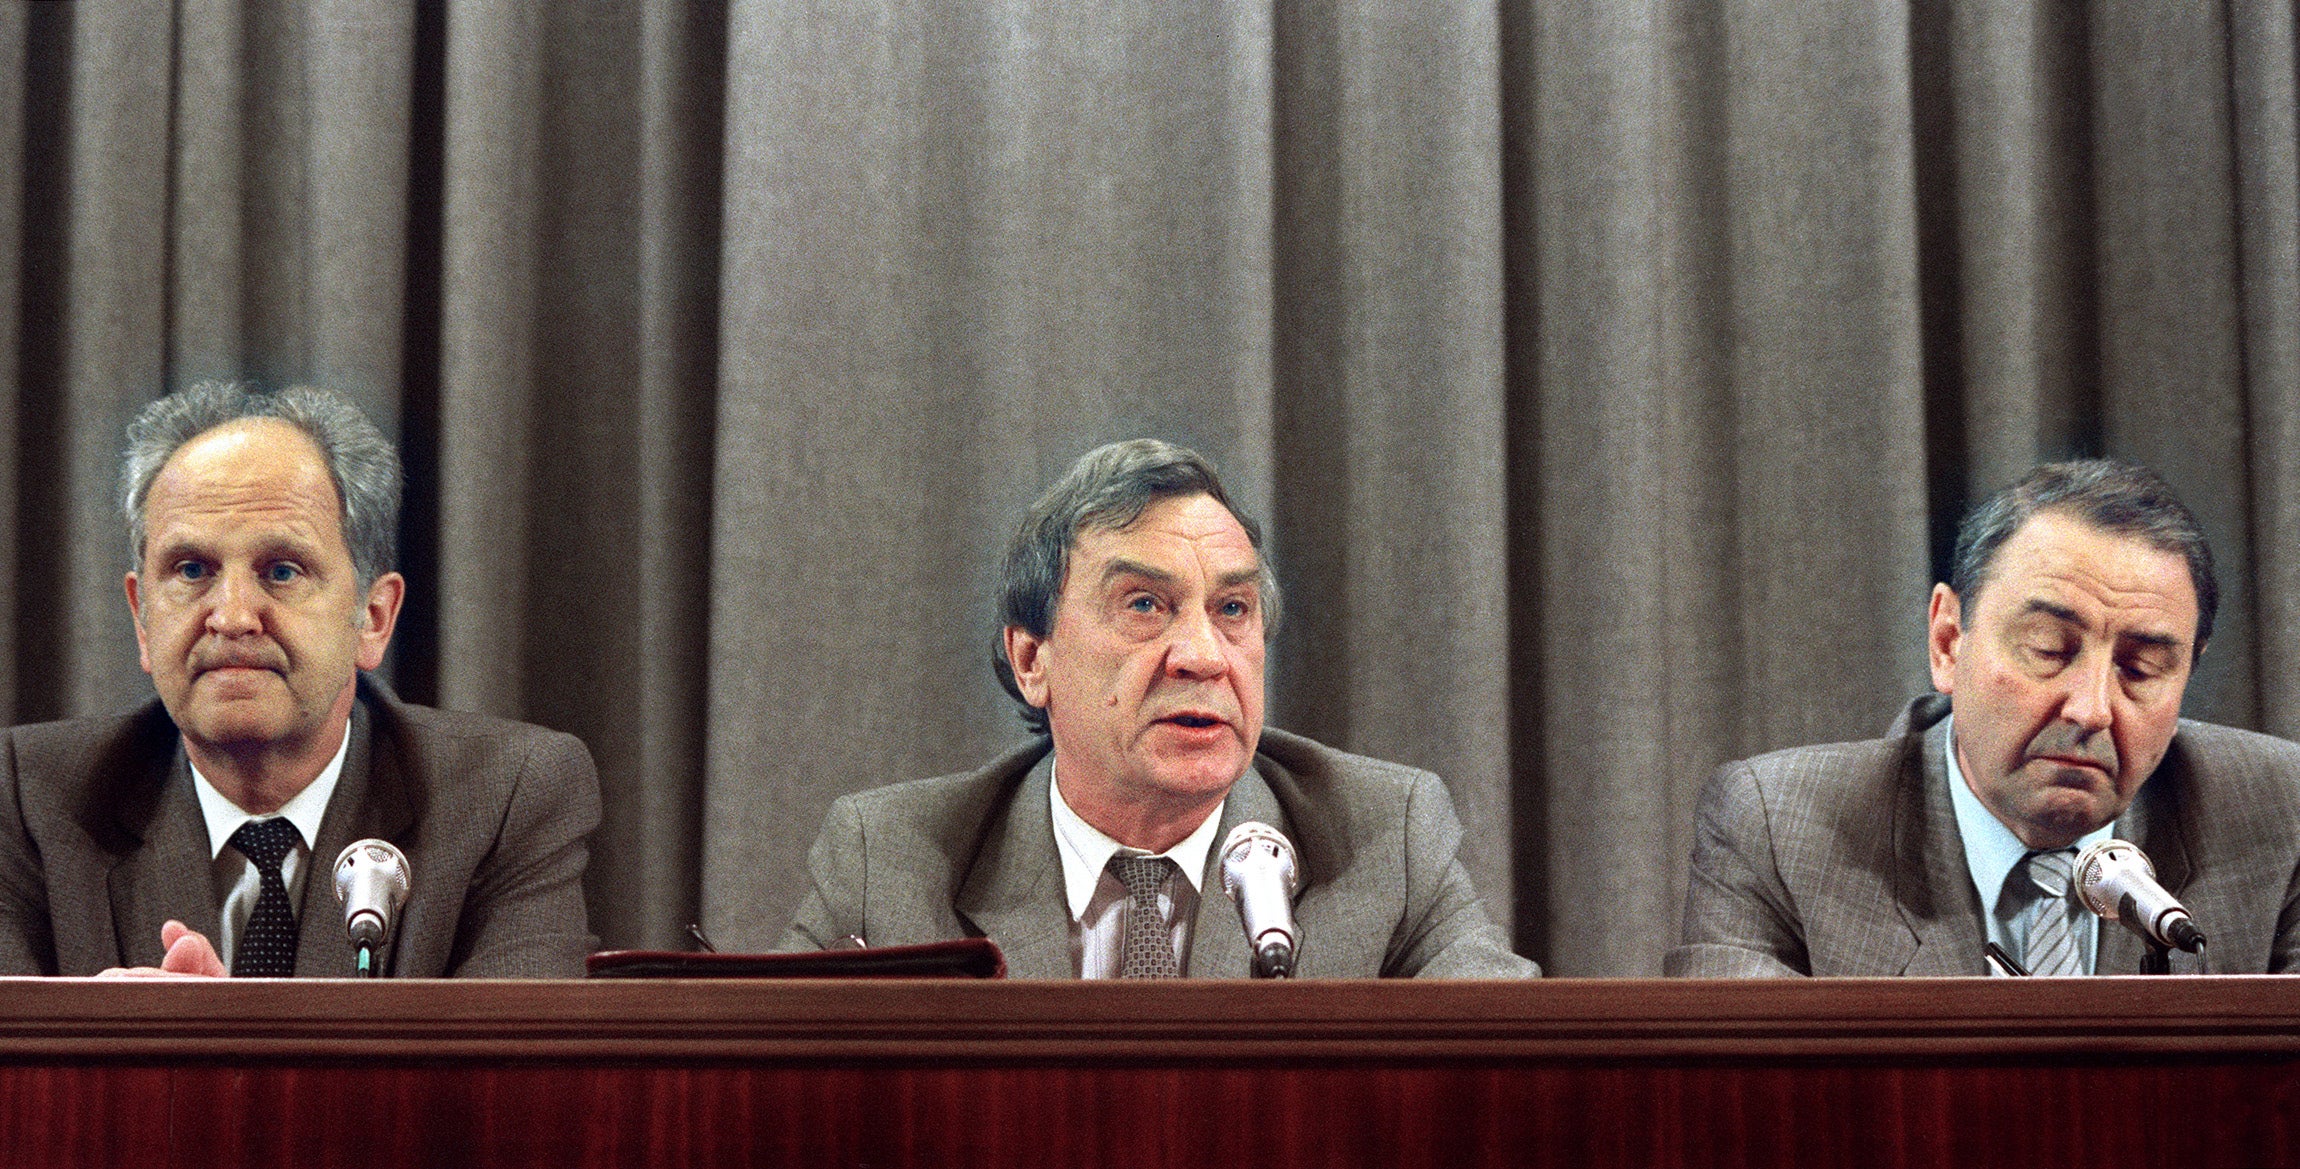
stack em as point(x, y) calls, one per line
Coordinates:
point(2059, 554)
point(1196, 522)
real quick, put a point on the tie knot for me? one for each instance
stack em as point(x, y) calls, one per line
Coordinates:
point(2050, 871)
point(266, 842)
point(1143, 876)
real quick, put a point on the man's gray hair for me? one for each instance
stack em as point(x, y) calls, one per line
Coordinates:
point(360, 460)
point(2123, 499)
point(1107, 489)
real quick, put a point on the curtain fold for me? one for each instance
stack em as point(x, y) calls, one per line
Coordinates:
point(1388, 440)
point(1609, 376)
point(2260, 40)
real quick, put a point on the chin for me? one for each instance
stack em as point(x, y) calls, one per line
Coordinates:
point(236, 729)
point(2071, 820)
point(1200, 779)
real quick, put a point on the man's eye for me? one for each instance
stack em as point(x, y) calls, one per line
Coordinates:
point(1235, 609)
point(192, 570)
point(1142, 603)
point(282, 573)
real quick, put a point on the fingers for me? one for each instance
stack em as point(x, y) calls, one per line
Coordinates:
point(189, 955)
point(189, 952)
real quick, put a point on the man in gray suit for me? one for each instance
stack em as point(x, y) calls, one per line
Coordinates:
point(2079, 601)
point(262, 527)
point(1137, 606)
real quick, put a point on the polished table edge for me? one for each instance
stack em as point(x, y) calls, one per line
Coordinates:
point(1081, 1022)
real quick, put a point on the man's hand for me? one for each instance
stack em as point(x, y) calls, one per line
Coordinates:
point(190, 955)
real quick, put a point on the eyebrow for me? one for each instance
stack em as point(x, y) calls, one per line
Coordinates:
point(1123, 567)
point(2064, 613)
point(2051, 609)
point(2157, 640)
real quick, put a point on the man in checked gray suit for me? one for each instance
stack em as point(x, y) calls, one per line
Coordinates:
point(196, 836)
point(2080, 598)
point(1137, 605)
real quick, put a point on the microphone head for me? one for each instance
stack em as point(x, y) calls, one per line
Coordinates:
point(1251, 842)
point(2098, 869)
point(371, 882)
point(2115, 880)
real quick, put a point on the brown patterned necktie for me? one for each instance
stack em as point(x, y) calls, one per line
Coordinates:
point(266, 948)
point(1149, 951)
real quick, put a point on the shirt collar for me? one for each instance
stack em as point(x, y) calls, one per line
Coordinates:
point(304, 811)
point(1991, 849)
point(1086, 852)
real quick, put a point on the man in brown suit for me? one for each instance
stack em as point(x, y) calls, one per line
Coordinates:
point(198, 834)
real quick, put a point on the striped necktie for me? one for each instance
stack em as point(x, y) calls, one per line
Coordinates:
point(2050, 949)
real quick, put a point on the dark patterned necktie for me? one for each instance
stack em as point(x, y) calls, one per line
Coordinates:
point(266, 948)
point(2051, 949)
point(1149, 946)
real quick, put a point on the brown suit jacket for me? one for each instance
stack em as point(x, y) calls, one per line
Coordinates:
point(101, 840)
point(1845, 859)
point(1377, 850)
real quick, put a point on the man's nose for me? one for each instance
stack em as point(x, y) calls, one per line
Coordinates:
point(2092, 692)
point(1195, 649)
point(235, 604)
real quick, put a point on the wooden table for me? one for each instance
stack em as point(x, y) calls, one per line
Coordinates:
point(2095, 1072)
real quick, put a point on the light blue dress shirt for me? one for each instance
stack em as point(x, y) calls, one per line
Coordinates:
point(1991, 851)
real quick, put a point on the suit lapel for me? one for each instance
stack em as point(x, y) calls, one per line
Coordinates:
point(1013, 892)
point(2152, 824)
point(1218, 939)
point(369, 801)
point(1932, 884)
point(166, 871)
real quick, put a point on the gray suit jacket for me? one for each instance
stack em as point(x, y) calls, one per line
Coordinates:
point(1382, 889)
point(102, 840)
point(1845, 859)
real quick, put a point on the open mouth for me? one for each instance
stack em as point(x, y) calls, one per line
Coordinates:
point(1194, 721)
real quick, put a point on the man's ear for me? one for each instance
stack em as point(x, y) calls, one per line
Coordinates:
point(1944, 637)
point(378, 617)
point(1026, 657)
point(136, 617)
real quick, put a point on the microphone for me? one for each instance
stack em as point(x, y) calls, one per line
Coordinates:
point(1258, 874)
point(371, 882)
point(2115, 880)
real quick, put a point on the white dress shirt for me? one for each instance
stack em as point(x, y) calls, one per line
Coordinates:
point(1098, 901)
point(237, 881)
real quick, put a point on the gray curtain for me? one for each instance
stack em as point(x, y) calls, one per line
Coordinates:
point(1610, 373)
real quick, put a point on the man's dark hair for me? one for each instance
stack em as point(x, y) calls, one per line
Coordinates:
point(2124, 499)
point(1107, 489)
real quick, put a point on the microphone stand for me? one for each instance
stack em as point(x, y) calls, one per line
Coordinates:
point(2158, 959)
point(1274, 959)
